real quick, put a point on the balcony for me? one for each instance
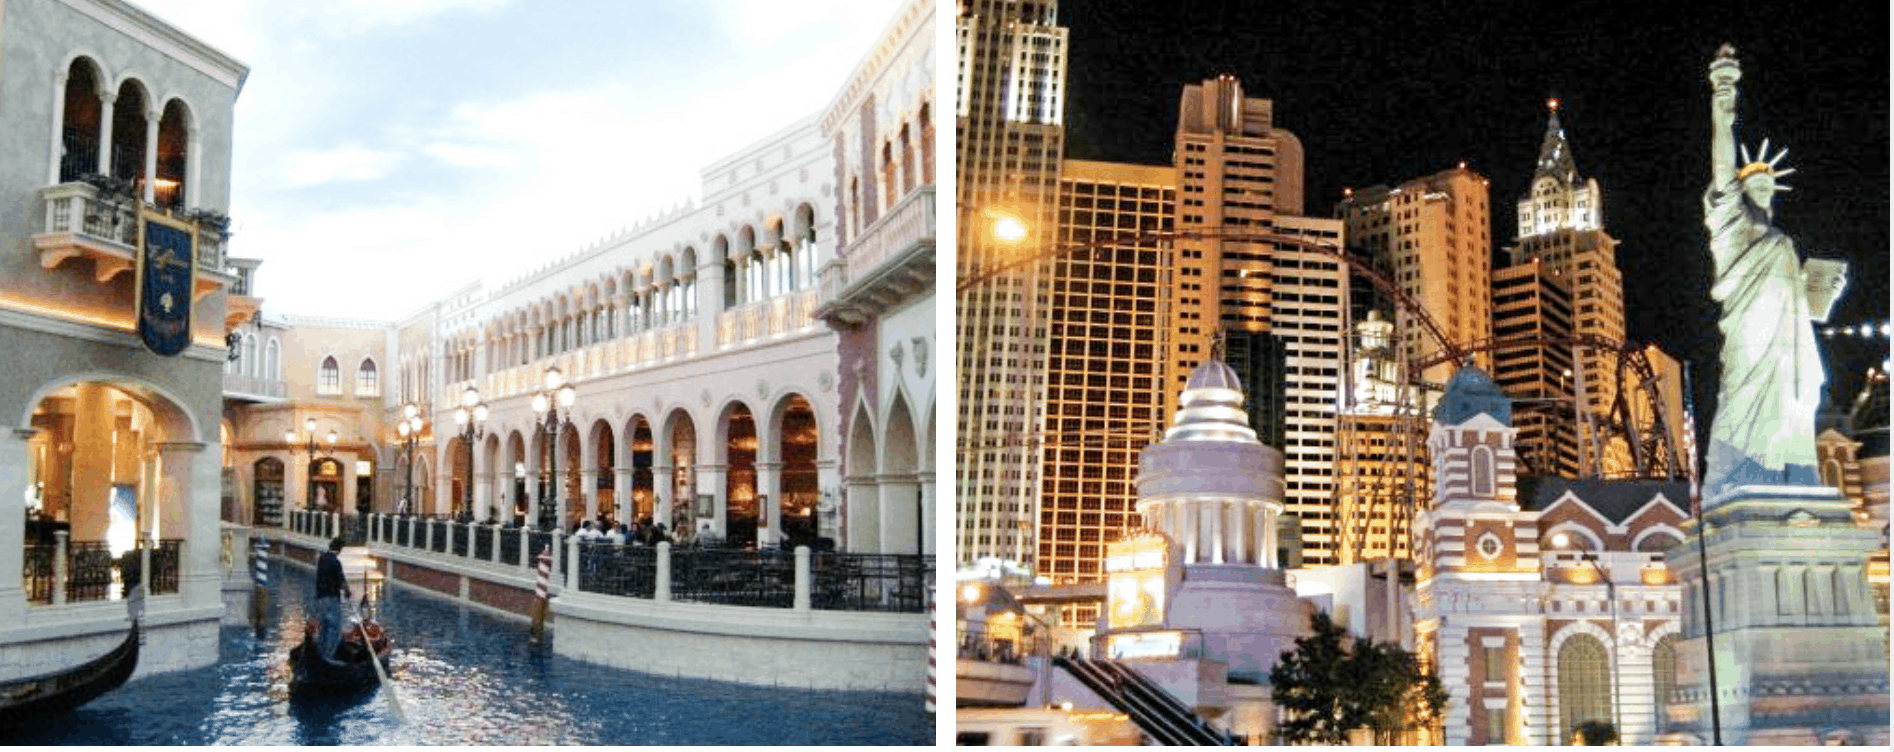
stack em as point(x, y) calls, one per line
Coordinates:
point(251, 389)
point(892, 261)
point(766, 319)
point(78, 223)
point(644, 349)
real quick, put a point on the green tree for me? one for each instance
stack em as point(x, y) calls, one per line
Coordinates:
point(1333, 683)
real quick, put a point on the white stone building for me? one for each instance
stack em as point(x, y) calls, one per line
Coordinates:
point(115, 121)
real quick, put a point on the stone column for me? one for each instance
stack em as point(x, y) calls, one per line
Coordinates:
point(803, 579)
point(106, 100)
point(88, 509)
point(480, 476)
point(193, 167)
point(621, 494)
point(861, 508)
point(828, 474)
point(58, 146)
point(662, 591)
point(661, 490)
point(187, 509)
point(443, 480)
point(588, 485)
point(16, 470)
point(714, 480)
point(769, 483)
point(150, 191)
point(927, 512)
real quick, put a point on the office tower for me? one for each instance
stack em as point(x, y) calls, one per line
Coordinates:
point(1009, 111)
point(1561, 222)
point(1531, 301)
point(1431, 235)
point(1107, 336)
point(1237, 170)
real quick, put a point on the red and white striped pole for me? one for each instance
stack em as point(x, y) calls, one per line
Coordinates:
point(539, 603)
point(930, 655)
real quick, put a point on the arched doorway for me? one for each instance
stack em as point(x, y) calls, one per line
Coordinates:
point(79, 134)
point(515, 474)
point(643, 492)
point(860, 518)
point(325, 485)
point(603, 444)
point(740, 476)
point(571, 492)
point(801, 487)
point(266, 492)
point(685, 509)
point(900, 482)
point(1584, 684)
point(109, 468)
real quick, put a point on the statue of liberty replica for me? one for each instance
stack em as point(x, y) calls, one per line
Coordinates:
point(1781, 643)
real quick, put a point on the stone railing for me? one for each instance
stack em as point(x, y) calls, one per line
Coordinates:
point(619, 355)
point(240, 384)
point(908, 222)
point(784, 314)
point(77, 208)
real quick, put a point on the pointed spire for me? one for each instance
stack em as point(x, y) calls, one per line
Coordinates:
point(1555, 154)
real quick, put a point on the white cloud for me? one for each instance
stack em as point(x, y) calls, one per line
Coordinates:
point(464, 155)
point(349, 17)
point(764, 21)
point(340, 164)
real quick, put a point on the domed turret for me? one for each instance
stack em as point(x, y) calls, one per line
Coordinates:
point(1469, 393)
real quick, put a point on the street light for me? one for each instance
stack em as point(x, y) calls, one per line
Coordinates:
point(1564, 540)
point(410, 429)
point(987, 596)
point(309, 448)
point(472, 414)
point(555, 394)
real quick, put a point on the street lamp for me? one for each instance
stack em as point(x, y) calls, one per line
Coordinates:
point(472, 414)
point(309, 448)
point(555, 394)
point(1564, 540)
point(410, 429)
point(987, 596)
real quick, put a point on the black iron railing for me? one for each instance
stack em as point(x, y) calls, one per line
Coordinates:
point(870, 582)
point(166, 559)
point(734, 577)
point(89, 569)
point(981, 646)
point(460, 534)
point(613, 569)
point(81, 155)
point(510, 547)
point(38, 569)
point(438, 540)
point(483, 542)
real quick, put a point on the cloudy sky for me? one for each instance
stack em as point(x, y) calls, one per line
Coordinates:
point(391, 151)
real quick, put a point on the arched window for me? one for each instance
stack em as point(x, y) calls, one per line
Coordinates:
point(329, 377)
point(1482, 471)
point(1584, 689)
point(367, 381)
point(1663, 680)
point(1831, 473)
point(79, 134)
point(273, 360)
point(250, 367)
point(173, 144)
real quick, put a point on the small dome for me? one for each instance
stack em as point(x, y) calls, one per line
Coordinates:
point(1469, 393)
point(1213, 374)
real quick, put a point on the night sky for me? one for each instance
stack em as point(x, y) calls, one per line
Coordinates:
point(1380, 93)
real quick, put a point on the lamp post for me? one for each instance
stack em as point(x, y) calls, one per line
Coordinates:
point(410, 430)
point(472, 416)
point(977, 594)
point(555, 394)
point(309, 448)
point(1563, 540)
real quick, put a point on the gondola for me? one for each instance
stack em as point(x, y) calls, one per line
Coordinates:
point(31, 699)
point(351, 672)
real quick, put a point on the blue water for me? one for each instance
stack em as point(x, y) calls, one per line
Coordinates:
point(464, 677)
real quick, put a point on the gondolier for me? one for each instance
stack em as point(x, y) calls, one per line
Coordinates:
point(331, 588)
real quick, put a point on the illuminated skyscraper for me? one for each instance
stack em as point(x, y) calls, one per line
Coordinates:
point(1009, 107)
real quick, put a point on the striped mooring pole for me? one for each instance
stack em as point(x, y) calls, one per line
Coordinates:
point(539, 603)
point(260, 577)
point(930, 655)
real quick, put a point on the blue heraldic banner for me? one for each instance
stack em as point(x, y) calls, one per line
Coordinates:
point(167, 262)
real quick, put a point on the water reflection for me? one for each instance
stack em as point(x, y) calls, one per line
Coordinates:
point(465, 677)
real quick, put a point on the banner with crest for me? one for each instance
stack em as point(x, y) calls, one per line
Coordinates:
point(167, 263)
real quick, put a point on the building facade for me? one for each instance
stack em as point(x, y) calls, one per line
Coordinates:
point(1542, 603)
point(119, 134)
point(1010, 137)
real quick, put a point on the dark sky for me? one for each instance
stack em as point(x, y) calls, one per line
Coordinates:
point(1384, 92)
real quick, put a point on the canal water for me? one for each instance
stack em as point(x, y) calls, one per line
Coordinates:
point(464, 678)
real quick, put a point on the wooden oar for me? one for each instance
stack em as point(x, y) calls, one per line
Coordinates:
point(374, 658)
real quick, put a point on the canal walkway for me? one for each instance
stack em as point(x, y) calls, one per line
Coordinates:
point(797, 618)
point(465, 677)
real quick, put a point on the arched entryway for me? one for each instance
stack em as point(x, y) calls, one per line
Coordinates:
point(799, 485)
point(643, 490)
point(519, 501)
point(323, 493)
point(680, 487)
point(739, 460)
point(861, 519)
point(109, 471)
point(900, 483)
point(599, 481)
point(266, 492)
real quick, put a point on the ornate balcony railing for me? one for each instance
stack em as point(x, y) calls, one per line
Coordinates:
point(891, 260)
point(78, 221)
point(775, 317)
point(240, 384)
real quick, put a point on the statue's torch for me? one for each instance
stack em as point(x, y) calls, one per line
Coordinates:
point(1724, 70)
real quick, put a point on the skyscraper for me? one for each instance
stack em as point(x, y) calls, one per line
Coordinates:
point(1009, 111)
point(1531, 301)
point(1107, 337)
point(1261, 300)
point(1561, 222)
